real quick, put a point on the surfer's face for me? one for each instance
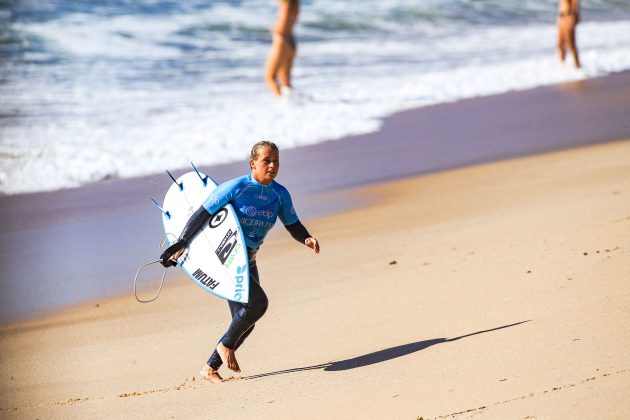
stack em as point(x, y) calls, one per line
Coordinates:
point(266, 165)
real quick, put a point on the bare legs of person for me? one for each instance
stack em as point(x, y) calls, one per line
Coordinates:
point(279, 63)
point(566, 38)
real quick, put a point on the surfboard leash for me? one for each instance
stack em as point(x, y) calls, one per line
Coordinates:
point(135, 280)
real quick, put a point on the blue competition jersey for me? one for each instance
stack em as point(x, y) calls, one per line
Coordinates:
point(257, 206)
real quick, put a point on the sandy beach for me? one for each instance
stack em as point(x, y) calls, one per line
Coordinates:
point(493, 291)
point(469, 270)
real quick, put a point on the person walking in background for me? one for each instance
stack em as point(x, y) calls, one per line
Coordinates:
point(568, 18)
point(283, 48)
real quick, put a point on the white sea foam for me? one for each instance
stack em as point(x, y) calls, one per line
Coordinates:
point(142, 96)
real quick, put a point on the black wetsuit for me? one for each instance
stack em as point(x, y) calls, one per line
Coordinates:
point(244, 315)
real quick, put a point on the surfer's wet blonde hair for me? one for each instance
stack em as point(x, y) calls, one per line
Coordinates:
point(265, 143)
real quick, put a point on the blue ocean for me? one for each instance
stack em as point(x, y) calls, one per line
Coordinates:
point(92, 90)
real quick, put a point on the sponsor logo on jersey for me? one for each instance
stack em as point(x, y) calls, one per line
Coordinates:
point(226, 246)
point(205, 279)
point(255, 223)
point(213, 199)
point(252, 211)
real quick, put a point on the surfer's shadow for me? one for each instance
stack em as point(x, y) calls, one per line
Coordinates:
point(378, 356)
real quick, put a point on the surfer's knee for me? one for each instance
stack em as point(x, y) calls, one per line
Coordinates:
point(261, 305)
point(258, 308)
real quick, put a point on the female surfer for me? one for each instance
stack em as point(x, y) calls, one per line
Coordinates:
point(258, 201)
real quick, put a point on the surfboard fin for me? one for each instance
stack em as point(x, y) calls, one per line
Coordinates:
point(203, 179)
point(166, 213)
point(180, 185)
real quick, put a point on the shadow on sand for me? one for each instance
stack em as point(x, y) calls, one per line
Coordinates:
point(379, 356)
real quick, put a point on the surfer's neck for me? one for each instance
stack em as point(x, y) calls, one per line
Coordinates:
point(265, 183)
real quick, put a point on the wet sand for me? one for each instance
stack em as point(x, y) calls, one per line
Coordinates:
point(493, 291)
point(72, 246)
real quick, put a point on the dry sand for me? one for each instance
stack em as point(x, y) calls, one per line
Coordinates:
point(495, 291)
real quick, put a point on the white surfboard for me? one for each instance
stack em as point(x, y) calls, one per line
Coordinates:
point(217, 257)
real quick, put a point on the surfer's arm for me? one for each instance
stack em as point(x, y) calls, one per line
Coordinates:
point(298, 231)
point(292, 223)
point(195, 224)
point(300, 234)
point(197, 221)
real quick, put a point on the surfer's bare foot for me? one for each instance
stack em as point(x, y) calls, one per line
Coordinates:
point(228, 357)
point(210, 374)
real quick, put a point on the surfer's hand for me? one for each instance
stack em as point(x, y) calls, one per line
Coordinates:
point(172, 253)
point(312, 243)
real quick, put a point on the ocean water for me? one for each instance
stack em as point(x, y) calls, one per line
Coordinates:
point(120, 88)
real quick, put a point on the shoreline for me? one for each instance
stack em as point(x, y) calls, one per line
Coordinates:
point(112, 228)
